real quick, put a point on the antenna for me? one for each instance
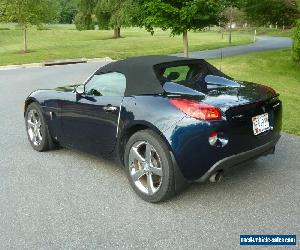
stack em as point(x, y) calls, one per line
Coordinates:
point(221, 59)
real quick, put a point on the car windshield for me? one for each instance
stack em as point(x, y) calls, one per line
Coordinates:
point(200, 76)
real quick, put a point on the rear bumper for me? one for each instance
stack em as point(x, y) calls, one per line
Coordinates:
point(238, 159)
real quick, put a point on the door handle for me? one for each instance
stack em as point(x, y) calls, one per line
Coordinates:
point(109, 108)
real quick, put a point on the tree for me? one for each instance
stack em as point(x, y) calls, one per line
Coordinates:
point(29, 12)
point(278, 12)
point(84, 17)
point(231, 12)
point(113, 14)
point(180, 16)
point(296, 42)
point(68, 11)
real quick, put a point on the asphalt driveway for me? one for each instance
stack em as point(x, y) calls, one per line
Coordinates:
point(65, 199)
point(263, 43)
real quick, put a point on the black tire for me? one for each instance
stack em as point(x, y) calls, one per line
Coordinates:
point(46, 142)
point(166, 188)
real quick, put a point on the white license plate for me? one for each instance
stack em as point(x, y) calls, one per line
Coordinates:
point(261, 123)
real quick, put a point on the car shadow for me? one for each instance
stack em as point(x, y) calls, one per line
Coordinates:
point(244, 178)
point(236, 182)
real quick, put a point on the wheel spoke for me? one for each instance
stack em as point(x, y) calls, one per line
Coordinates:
point(31, 133)
point(34, 117)
point(135, 155)
point(155, 170)
point(39, 135)
point(30, 123)
point(150, 186)
point(30, 114)
point(148, 153)
point(35, 138)
point(137, 175)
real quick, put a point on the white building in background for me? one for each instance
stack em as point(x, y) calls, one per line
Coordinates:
point(233, 25)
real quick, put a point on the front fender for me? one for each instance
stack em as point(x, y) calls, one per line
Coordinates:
point(49, 103)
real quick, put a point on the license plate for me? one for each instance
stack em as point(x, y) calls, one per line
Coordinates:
point(261, 123)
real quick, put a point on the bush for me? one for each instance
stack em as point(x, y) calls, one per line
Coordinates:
point(296, 42)
point(84, 22)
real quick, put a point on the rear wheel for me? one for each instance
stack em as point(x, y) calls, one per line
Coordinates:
point(37, 129)
point(149, 166)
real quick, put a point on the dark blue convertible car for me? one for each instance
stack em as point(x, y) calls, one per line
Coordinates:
point(168, 120)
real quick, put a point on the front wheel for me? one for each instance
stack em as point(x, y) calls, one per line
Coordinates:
point(37, 129)
point(149, 166)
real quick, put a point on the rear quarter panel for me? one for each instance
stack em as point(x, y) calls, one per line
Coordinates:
point(155, 111)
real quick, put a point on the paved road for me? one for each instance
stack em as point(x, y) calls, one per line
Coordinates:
point(69, 200)
point(263, 43)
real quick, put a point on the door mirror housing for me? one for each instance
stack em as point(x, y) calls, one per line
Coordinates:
point(79, 90)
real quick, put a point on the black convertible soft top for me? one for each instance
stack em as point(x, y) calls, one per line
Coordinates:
point(140, 72)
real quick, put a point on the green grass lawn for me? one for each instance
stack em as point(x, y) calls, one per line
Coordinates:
point(260, 31)
point(275, 69)
point(278, 32)
point(60, 42)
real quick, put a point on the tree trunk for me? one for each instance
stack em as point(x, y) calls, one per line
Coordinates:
point(25, 39)
point(185, 44)
point(117, 32)
point(230, 25)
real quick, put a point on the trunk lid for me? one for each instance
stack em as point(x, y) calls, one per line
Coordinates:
point(239, 103)
point(243, 102)
point(247, 94)
point(236, 99)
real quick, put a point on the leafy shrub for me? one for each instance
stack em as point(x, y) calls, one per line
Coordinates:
point(296, 42)
point(84, 22)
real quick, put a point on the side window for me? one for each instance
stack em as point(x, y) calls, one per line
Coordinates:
point(176, 74)
point(110, 84)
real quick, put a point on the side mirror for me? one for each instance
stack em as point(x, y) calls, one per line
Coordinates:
point(79, 90)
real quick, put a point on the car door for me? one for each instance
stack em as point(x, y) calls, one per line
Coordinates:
point(90, 120)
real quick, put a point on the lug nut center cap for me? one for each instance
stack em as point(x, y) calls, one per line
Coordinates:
point(146, 167)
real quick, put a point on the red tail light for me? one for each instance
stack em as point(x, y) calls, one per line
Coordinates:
point(196, 109)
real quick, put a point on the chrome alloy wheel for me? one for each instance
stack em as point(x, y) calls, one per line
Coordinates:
point(145, 167)
point(34, 127)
